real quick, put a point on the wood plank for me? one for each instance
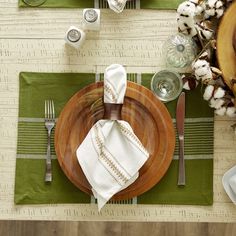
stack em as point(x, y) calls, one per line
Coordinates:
point(36, 228)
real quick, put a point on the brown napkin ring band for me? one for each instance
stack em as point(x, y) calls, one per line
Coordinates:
point(112, 111)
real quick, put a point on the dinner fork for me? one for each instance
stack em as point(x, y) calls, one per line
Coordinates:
point(49, 124)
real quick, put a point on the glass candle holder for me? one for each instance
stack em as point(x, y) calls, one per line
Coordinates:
point(166, 85)
point(179, 51)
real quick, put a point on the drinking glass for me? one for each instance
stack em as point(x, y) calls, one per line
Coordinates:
point(167, 85)
point(34, 3)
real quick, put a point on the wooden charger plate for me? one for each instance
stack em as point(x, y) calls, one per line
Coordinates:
point(226, 41)
point(147, 116)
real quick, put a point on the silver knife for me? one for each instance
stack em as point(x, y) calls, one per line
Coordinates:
point(180, 115)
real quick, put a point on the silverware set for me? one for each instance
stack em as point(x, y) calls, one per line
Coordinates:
point(49, 124)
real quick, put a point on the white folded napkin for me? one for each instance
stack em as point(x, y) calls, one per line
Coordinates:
point(117, 5)
point(111, 154)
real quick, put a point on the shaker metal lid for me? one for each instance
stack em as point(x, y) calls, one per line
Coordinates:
point(74, 35)
point(91, 15)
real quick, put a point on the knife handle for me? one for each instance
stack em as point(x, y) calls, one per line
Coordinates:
point(181, 178)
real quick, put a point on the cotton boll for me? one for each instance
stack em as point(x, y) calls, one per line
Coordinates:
point(231, 111)
point(219, 93)
point(199, 10)
point(221, 111)
point(211, 3)
point(198, 6)
point(219, 13)
point(187, 26)
point(208, 93)
point(186, 8)
point(212, 103)
point(219, 103)
point(216, 103)
point(218, 4)
point(210, 12)
point(214, 8)
point(214, 3)
point(186, 22)
point(200, 64)
point(202, 70)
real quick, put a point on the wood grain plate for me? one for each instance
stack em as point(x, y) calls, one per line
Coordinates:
point(147, 116)
point(225, 46)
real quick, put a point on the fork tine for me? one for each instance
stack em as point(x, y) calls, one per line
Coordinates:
point(46, 109)
point(50, 109)
point(53, 110)
point(48, 103)
point(48, 114)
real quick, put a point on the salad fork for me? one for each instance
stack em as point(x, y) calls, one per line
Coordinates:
point(49, 124)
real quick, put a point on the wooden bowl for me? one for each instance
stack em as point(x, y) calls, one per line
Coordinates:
point(226, 44)
point(147, 116)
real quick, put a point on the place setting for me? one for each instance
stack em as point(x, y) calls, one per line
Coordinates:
point(116, 5)
point(149, 118)
point(130, 138)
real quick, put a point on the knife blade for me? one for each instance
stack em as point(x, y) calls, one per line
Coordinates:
point(180, 117)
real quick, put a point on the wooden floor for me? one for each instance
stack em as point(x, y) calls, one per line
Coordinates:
point(41, 228)
point(32, 40)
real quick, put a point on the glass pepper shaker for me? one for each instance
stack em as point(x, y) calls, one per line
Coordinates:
point(75, 37)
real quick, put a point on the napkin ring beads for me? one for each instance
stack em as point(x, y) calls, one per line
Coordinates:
point(112, 111)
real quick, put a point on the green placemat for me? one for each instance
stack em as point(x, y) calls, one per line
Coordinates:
point(32, 141)
point(144, 4)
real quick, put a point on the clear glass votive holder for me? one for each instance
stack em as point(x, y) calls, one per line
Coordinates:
point(166, 85)
point(179, 51)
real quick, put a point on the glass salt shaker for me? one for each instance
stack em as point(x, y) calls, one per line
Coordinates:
point(75, 37)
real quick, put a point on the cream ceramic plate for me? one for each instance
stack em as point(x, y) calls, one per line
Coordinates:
point(227, 187)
